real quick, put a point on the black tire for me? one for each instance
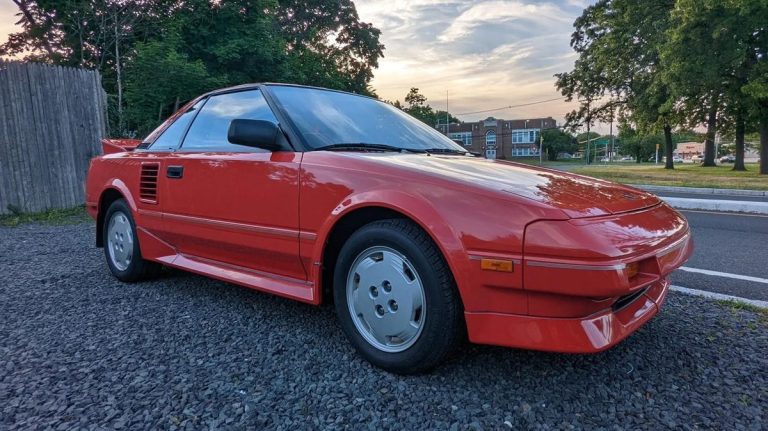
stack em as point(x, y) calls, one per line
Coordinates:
point(443, 327)
point(138, 269)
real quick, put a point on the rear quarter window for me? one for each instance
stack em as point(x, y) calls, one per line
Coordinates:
point(171, 137)
point(209, 129)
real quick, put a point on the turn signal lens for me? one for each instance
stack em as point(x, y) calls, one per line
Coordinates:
point(497, 265)
point(632, 269)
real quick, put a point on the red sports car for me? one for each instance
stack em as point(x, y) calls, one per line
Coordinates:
point(319, 195)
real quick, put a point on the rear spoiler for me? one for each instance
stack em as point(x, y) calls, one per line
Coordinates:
point(111, 146)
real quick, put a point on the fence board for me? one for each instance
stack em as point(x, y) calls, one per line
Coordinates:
point(52, 120)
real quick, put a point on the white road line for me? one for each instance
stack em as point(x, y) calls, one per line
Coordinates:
point(724, 274)
point(718, 296)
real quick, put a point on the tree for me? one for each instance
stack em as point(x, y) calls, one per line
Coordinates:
point(160, 78)
point(416, 105)
point(618, 43)
point(328, 45)
point(641, 147)
point(753, 15)
point(94, 34)
point(556, 141)
point(717, 50)
point(699, 64)
point(232, 42)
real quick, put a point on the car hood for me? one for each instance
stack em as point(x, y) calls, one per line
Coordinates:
point(576, 195)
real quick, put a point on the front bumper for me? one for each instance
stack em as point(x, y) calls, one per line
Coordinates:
point(589, 334)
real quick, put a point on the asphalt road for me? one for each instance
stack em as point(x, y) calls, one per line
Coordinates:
point(80, 350)
point(734, 244)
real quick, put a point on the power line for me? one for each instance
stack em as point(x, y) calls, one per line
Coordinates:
point(511, 106)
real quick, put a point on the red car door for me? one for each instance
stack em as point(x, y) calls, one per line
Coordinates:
point(232, 204)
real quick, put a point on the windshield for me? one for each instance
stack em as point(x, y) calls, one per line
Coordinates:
point(326, 117)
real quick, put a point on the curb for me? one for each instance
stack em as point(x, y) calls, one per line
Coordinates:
point(717, 205)
point(700, 191)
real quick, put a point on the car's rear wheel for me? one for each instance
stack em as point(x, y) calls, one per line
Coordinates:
point(396, 298)
point(121, 245)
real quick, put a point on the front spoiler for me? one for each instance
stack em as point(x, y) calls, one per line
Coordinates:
point(590, 334)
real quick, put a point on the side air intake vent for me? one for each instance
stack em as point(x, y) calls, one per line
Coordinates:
point(148, 182)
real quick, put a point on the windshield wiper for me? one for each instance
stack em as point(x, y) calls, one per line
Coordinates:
point(365, 146)
point(444, 151)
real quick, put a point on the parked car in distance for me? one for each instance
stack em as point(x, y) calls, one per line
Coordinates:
point(627, 159)
point(678, 159)
point(324, 196)
point(730, 158)
point(605, 159)
point(697, 158)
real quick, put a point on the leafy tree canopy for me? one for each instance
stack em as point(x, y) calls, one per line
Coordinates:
point(416, 105)
point(201, 43)
point(556, 141)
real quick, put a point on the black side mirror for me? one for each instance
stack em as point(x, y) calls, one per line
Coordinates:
point(256, 133)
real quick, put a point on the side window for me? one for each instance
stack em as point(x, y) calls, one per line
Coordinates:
point(171, 137)
point(209, 130)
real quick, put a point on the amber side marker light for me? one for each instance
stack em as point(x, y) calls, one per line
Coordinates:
point(632, 269)
point(497, 265)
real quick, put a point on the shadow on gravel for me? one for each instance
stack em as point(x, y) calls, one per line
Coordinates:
point(79, 348)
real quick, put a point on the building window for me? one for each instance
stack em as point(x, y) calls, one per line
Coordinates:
point(464, 137)
point(522, 152)
point(490, 138)
point(525, 136)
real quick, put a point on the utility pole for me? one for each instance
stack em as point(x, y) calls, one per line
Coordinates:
point(541, 142)
point(447, 120)
point(610, 157)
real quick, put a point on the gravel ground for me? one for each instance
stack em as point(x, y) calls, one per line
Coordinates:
point(80, 350)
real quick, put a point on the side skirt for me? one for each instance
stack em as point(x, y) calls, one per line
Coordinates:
point(153, 248)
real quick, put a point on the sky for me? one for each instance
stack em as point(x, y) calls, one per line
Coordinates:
point(485, 54)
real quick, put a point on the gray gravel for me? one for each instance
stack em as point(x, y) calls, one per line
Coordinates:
point(79, 349)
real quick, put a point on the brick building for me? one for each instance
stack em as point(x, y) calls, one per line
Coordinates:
point(500, 139)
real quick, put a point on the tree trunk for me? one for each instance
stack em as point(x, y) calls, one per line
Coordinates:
point(668, 150)
point(764, 142)
point(119, 76)
point(740, 130)
point(709, 145)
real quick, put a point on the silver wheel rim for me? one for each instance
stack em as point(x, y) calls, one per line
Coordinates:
point(385, 297)
point(120, 240)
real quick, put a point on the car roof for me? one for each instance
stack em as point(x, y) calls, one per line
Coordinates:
point(243, 87)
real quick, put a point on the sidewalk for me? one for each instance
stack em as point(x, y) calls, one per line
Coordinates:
point(707, 199)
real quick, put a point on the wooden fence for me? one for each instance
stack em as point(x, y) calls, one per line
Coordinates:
point(52, 120)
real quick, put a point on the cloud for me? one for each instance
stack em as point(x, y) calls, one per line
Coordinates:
point(486, 53)
point(502, 12)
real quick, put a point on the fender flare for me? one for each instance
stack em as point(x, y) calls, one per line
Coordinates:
point(119, 186)
point(414, 207)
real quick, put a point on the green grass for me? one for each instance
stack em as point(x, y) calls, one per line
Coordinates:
point(53, 217)
point(738, 306)
point(685, 175)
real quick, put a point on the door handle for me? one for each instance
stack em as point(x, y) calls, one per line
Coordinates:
point(175, 172)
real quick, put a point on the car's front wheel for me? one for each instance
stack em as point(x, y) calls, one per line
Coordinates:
point(121, 246)
point(396, 298)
